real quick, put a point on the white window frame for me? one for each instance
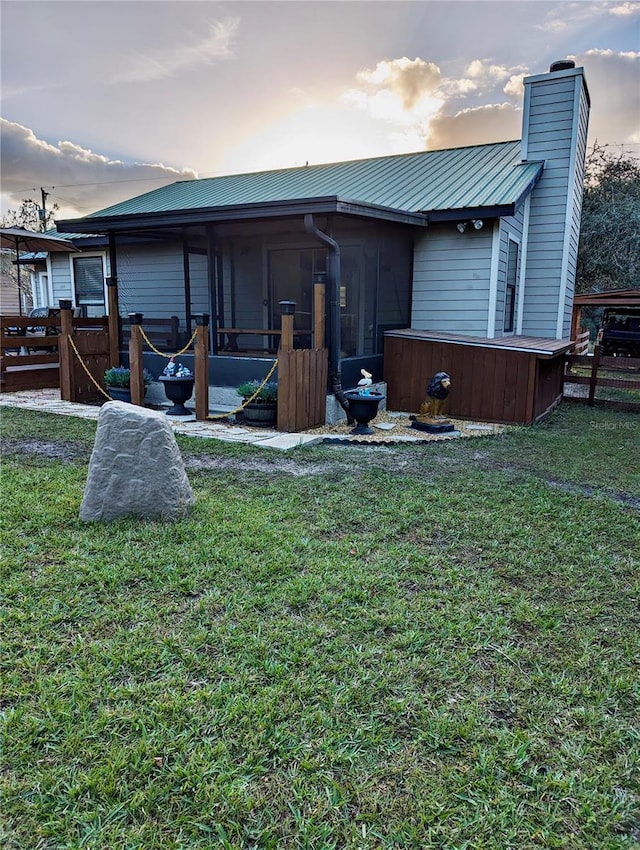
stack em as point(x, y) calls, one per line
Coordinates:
point(511, 237)
point(105, 272)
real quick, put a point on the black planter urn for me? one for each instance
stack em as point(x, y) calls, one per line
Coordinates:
point(120, 393)
point(260, 414)
point(364, 408)
point(178, 390)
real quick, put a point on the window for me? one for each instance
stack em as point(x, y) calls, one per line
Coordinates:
point(88, 278)
point(510, 293)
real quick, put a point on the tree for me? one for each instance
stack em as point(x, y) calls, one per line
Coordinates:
point(609, 249)
point(28, 216)
point(16, 287)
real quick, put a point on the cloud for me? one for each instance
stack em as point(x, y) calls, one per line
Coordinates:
point(419, 103)
point(567, 17)
point(625, 9)
point(423, 109)
point(476, 126)
point(483, 70)
point(83, 181)
point(216, 45)
point(515, 86)
point(410, 80)
point(612, 78)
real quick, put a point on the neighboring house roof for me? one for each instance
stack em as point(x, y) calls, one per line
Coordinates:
point(609, 298)
point(32, 257)
point(81, 240)
point(437, 184)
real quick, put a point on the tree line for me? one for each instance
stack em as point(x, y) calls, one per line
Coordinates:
point(609, 248)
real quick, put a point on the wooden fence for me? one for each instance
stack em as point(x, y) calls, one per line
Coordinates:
point(73, 353)
point(37, 353)
point(302, 388)
point(85, 354)
point(302, 375)
point(29, 354)
point(614, 381)
point(581, 343)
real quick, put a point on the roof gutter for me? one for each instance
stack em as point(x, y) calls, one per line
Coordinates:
point(333, 313)
point(140, 221)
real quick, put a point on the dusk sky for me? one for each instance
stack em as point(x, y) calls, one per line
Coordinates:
point(109, 99)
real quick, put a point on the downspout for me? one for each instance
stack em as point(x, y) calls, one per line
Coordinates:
point(333, 299)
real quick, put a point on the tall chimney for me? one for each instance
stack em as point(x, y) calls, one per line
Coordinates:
point(555, 121)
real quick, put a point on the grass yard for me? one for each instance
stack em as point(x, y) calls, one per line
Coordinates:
point(403, 647)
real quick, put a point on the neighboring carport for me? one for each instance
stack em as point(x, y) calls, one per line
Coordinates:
point(610, 298)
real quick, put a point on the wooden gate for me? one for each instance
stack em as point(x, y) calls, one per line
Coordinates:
point(85, 354)
point(302, 388)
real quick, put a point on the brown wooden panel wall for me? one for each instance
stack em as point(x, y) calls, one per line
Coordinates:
point(13, 381)
point(302, 388)
point(93, 348)
point(487, 384)
point(549, 384)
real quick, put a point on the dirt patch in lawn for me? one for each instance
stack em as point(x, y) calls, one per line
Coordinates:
point(279, 463)
point(68, 452)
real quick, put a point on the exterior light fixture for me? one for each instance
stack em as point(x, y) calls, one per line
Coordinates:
point(287, 308)
point(462, 226)
point(478, 223)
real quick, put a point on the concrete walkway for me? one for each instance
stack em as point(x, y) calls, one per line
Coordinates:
point(49, 401)
point(388, 432)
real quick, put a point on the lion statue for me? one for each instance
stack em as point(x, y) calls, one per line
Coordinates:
point(437, 392)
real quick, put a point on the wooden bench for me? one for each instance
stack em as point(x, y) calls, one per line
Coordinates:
point(232, 334)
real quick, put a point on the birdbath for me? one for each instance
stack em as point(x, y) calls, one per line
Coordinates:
point(178, 390)
point(363, 405)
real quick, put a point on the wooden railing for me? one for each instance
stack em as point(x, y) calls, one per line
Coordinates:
point(76, 352)
point(581, 343)
point(30, 346)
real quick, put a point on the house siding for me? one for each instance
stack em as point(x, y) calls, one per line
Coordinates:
point(61, 284)
point(451, 274)
point(199, 283)
point(151, 280)
point(555, 128)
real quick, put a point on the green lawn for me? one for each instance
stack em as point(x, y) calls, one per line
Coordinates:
point(410, 647)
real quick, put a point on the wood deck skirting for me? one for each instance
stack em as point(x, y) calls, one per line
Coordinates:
point(513, 380)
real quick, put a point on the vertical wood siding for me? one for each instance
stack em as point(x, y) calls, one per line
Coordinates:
point(487, 384)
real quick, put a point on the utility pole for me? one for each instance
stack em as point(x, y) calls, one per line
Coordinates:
point(42, 212)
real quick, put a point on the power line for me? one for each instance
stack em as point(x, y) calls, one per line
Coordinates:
point(96, 183)
point(622, 146)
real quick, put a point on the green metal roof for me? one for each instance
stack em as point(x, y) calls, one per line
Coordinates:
point(427, 182)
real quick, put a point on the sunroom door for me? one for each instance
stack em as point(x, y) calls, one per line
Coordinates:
point(291, 273)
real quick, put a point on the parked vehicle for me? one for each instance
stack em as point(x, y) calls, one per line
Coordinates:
point(619, 335)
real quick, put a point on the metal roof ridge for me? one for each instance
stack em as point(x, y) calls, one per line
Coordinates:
point(323, 165)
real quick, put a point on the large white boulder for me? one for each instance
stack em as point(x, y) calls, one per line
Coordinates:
point(136, 469)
